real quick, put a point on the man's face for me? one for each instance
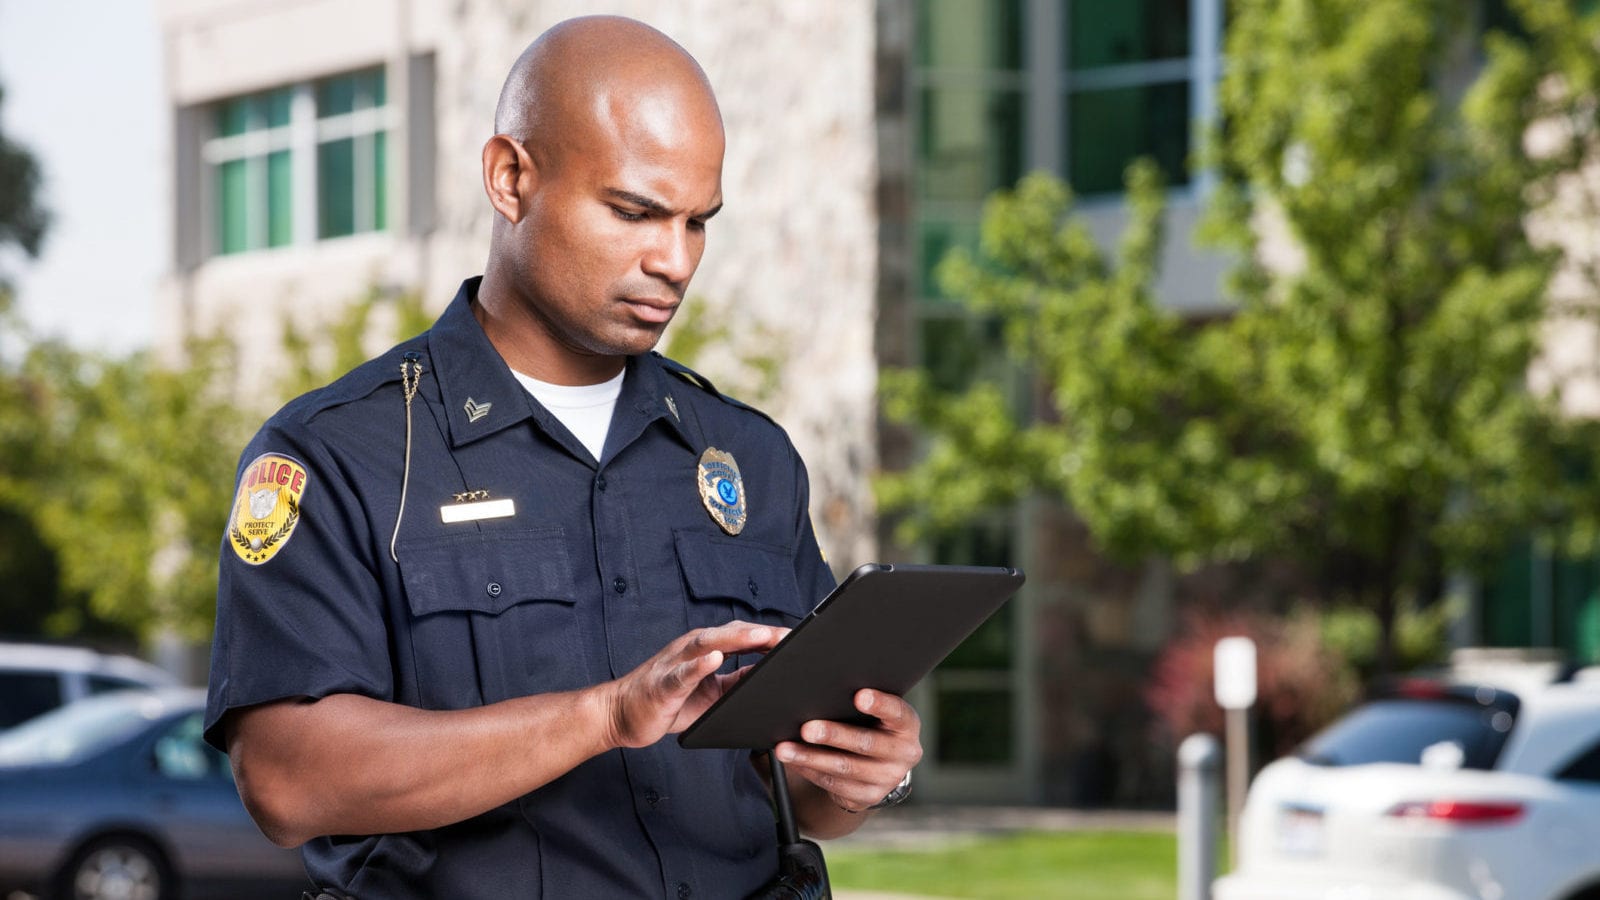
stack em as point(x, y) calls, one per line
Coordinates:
point(617, 224)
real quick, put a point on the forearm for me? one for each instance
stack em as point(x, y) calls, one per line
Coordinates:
point(818, 815)
point(348, 764)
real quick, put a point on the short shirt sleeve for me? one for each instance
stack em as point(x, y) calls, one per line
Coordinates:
point(299, 606)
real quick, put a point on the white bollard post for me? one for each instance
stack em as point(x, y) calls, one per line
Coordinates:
point(1199, 782)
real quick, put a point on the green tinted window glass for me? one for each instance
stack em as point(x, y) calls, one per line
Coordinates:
point(336, 213)
point(336, 96)
point(280, 221)
point(1108, 129)
point(233, 116)
point(969, 34)
point(969, 142)
point(1127, 31)
point(380, 176)
point(935, 239)
point(275, 107)
point(377, 89)
point(233, 206)
point(975, 727)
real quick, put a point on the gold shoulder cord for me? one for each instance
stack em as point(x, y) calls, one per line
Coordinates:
point(410, 377)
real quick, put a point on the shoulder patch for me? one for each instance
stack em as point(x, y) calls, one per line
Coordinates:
point(267, 506)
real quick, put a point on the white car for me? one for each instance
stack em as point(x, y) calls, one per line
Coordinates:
point(1436, 792)
point(36, 678)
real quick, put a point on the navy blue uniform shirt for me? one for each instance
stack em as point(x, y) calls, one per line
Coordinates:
point(601, 564)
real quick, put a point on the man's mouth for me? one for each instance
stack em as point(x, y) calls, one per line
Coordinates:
point(656, 312)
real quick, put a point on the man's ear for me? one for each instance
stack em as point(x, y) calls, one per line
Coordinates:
point(509, 176)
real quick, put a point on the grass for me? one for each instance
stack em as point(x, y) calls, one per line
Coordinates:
point(1084, 865)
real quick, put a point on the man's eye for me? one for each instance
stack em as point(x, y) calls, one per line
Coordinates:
point(626, 216)
point(697, 224)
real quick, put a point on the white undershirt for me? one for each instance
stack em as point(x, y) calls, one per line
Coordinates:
point(584, 408)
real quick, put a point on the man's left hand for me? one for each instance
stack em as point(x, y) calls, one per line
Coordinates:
point(857, 766)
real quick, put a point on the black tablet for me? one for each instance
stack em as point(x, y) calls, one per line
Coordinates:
point(884, 627)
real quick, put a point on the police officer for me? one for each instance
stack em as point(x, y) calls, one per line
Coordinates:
point(469, 590)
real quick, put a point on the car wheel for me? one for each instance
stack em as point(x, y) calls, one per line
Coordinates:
point(116, 868)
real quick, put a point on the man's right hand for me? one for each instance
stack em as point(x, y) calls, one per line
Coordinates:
point(670, 690)
point(350, 764)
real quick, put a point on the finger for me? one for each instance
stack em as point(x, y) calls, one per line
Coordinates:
point(868, 742)
point(734, 637)
point(684, 677)
point(853, 786)
point(893, 713)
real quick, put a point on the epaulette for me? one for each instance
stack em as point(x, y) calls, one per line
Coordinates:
point(704, 384)
point(356, 384)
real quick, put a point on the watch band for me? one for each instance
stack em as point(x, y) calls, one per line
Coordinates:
point(897, 796)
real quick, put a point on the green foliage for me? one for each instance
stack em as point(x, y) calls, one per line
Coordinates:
point(696, 334)
point(23, 220)
point(317, 356)
point(125, 466)
point(1364, 407)
point(1351, 633)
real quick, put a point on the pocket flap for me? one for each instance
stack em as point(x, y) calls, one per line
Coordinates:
point(487, 572)
point(756, 575)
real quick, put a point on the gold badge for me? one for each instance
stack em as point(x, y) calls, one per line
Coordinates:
point(722, 489)
point(267, 507)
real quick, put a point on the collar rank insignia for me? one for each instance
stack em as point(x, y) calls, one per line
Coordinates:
point(475, 410)
point(267, 507)
point(672, 407)
point(722, 489)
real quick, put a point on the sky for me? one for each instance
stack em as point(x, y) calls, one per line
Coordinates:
point(83, 92)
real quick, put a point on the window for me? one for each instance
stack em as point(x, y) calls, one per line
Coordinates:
point(1127, 75)
point(975, 696)
point(101, 684)
point(1583, 767)
point(24, 695)
point(300, 163)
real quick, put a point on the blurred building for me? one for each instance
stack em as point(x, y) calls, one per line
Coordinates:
point(325, 148)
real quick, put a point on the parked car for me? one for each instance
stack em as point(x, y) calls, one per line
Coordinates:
point(36, 678)
point(116, 797)
point(1434, 792)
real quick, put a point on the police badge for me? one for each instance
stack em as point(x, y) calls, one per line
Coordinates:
point(722, 489)
point(267, 507)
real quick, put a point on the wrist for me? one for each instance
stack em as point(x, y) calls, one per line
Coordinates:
point(896, 796)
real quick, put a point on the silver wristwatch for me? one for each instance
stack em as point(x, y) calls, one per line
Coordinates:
point(898, 795)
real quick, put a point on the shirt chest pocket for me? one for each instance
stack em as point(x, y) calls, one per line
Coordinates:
point(729, 578)
point(493, 616)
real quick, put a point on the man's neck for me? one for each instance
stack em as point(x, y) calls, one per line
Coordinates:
point(527, 345)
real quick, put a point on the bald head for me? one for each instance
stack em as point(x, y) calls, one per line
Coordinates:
point(604, 169)
point(589, 70)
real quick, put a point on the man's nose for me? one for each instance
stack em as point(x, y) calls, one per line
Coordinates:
point(674, 254)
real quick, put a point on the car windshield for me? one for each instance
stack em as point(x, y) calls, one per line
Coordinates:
point(77, 730)
point(1406, 730)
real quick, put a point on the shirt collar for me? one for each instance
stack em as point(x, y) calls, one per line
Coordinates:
point(482, 397)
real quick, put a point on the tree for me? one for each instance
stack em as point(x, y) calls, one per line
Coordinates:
point(132, 462)
point(1364, 408)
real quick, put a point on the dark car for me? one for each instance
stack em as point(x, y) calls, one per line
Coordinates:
point(116, 797)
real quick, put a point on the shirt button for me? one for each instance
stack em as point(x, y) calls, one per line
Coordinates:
point(652, 798)
point(493, 588)
point(683, 890)
point(600, 482)
point(620, 585)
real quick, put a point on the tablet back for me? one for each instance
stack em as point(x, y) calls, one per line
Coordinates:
point(885, 627)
